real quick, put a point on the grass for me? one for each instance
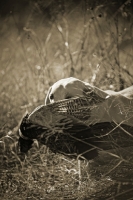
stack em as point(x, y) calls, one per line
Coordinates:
point(95, 49)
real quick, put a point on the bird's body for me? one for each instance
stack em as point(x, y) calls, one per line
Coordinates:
point(69, 126)
point(80, 119)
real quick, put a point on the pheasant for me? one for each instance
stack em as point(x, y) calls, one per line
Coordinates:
point(78, 127)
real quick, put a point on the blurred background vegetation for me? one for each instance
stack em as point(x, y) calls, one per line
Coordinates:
point(42, 41)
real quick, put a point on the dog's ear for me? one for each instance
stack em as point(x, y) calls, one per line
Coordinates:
point(47, 99)
point(87, 88)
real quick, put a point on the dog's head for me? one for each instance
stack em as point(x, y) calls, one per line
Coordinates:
point(66, 89)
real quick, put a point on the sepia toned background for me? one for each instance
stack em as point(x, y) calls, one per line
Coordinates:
point(42, 41)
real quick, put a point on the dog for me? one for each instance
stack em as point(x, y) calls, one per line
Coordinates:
point(73, 87)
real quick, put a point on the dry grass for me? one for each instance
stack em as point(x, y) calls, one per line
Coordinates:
point(90, 47)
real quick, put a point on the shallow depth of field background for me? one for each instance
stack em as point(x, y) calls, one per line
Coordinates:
point(40, 43)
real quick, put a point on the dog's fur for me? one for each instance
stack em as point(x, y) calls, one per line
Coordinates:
point(72, 87)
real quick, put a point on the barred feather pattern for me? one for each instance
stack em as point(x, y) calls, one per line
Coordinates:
point(65, 127)
point(58, 125)
point(78, 109)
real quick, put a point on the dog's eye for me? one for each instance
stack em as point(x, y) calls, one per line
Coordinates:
point(51, 97)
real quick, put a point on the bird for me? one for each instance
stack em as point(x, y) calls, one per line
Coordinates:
point(72, 127)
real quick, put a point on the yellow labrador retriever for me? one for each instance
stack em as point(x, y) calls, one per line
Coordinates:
point(117, 107)
point(72, 87)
